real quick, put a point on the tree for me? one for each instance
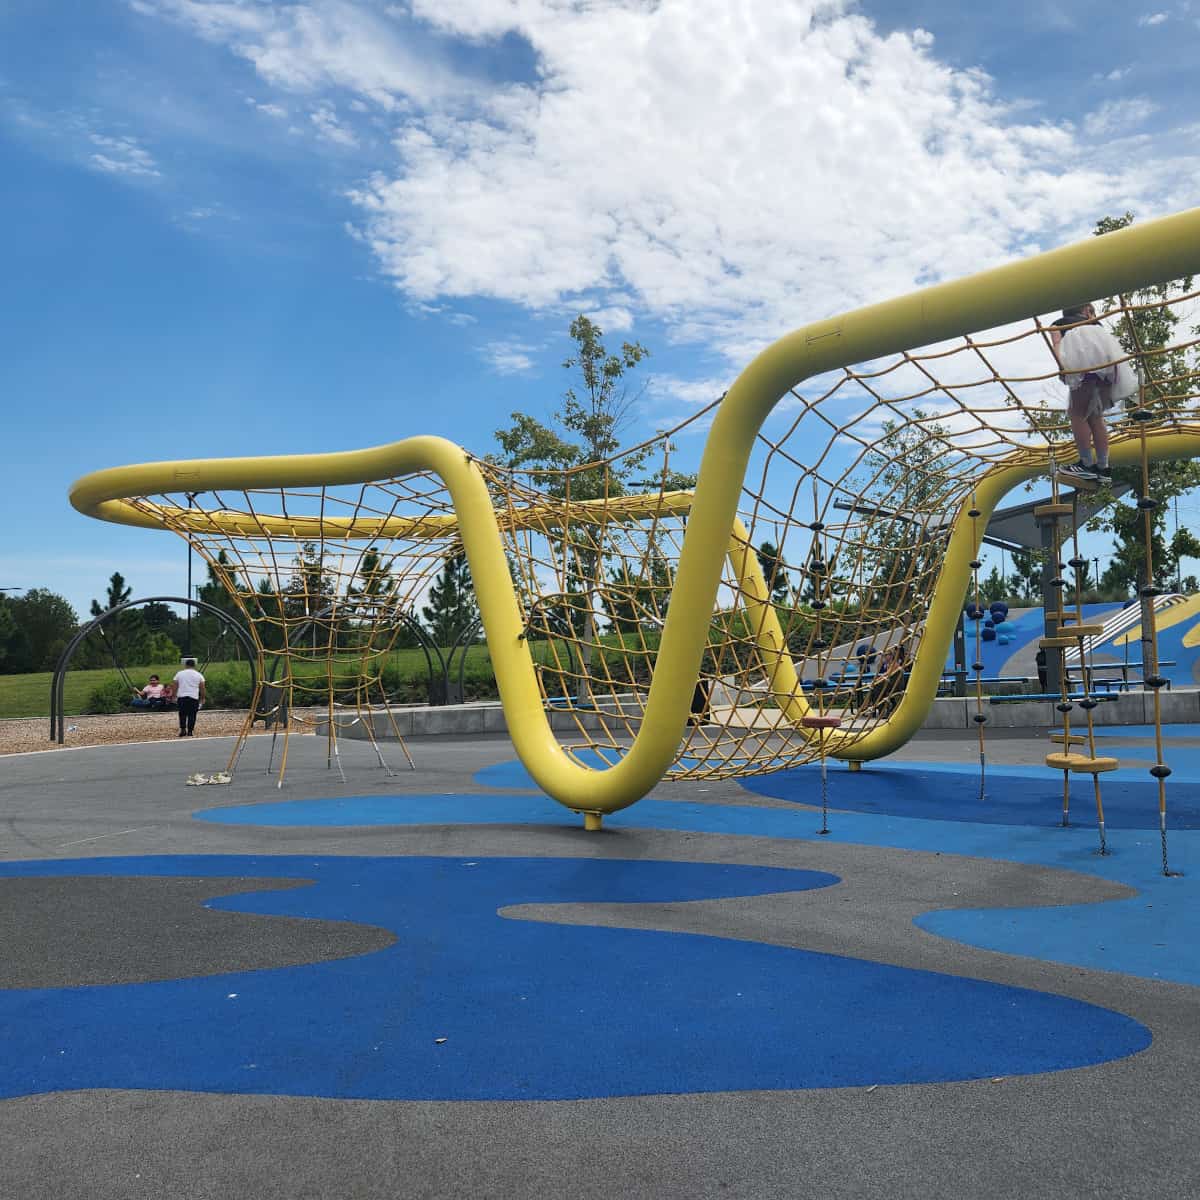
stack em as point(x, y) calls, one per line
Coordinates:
point(1026, 579)
point(124, 638)
point(637, 602)
point(579, 447)
point(8, 633)
point(451, 606)
point(44, 623)
point(371, 599)
point(309, 587)
point(993, 587)
point(266, 612)
point(595, 416)
point(375, 587)
point(910, 488)
point(771, 563)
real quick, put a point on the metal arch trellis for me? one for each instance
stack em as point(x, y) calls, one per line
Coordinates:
point(58, 679)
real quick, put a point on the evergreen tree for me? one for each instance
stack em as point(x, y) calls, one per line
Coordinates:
point(266, 609)
point(992, 587)
point(373, 590)
point(372, 599)
point(451, 606)
point(638, 602)
point(309, 588)
point(1026, 580)
point(771, 563)
point(124, 638)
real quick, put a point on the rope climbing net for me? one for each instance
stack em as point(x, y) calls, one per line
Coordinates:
point(796, 601)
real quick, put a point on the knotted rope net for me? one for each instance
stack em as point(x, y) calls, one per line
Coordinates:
point(856, 485)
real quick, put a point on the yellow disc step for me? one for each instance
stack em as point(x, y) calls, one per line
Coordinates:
point(1053, 510)
point(1081, 630)
point(1056, 643)
point(1081, 763)
point(1068, 739)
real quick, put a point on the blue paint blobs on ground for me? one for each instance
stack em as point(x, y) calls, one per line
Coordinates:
point(1137, 936)
point(514, 775)
point(1170, 732)
point(530, 1010)
point(1012, 795)
point(1127, 936)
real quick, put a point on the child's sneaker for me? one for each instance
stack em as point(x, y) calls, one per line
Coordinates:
point(1078, 470)
point(1104, 474)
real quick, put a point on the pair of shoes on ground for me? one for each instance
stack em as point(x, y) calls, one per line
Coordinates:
point(200, 779)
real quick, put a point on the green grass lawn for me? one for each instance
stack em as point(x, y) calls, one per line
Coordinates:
point(29, 695)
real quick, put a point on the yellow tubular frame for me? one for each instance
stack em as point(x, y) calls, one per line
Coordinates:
point(1117, 262)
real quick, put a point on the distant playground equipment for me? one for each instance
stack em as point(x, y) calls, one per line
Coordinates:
point(918, 415)
point(231, 636)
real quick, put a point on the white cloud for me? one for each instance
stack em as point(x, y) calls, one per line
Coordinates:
point(616, 318)
point(271, 110)
point(1114, 116)
point(320, 44)
point(835, 166)
point(1113, 76)
point(729, 170)
point(121, 156)
point(510, 357)
point(330, 128)
point(1156, 18)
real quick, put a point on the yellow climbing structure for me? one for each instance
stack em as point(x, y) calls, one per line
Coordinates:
point(857, 447)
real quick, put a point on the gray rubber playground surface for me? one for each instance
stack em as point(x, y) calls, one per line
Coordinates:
point(1123, 1128)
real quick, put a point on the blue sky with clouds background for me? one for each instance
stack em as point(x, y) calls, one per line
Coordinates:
point(235, 227)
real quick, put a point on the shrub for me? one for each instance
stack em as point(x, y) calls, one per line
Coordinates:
point(112, 696)
point(227, 688)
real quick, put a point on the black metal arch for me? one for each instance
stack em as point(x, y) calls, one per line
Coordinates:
point(463, 641)
point(57, 716)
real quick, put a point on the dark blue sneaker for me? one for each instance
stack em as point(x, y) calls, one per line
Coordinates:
point(1079, 470)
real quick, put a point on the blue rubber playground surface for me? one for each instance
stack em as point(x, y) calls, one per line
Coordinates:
point(923, 806)
point(748, 1022)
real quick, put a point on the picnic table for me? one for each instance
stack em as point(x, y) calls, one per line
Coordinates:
point(1124, 682)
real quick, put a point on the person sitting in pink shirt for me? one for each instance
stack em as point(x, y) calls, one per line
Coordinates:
point(153, 695)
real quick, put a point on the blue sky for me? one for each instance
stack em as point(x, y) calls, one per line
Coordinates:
point(239, 227)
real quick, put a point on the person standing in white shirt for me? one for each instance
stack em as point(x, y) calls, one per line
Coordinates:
point(189, 695)
point(1097, 374)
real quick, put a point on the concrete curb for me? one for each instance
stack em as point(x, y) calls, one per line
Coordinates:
point(467, 720)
